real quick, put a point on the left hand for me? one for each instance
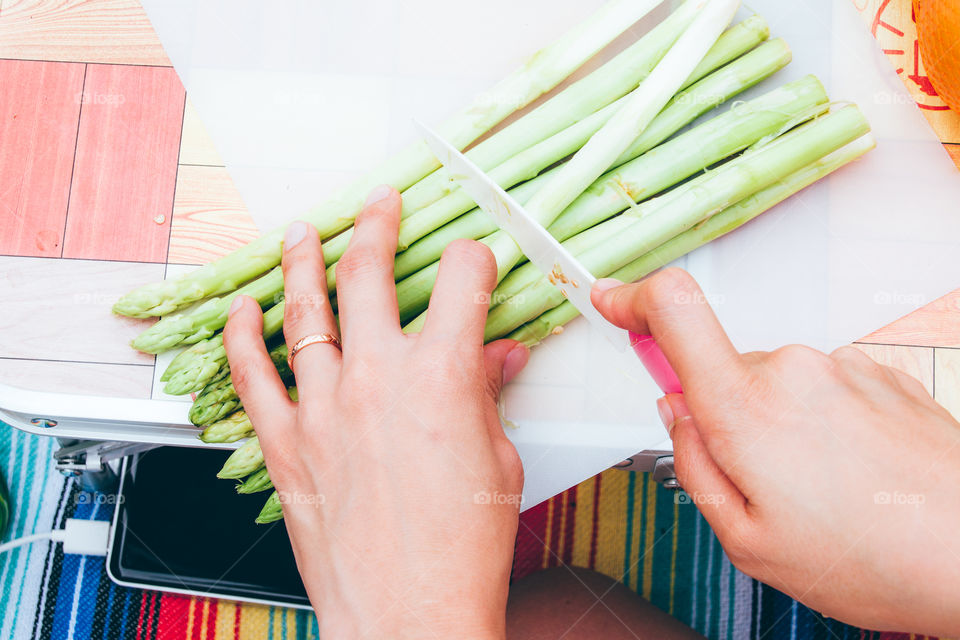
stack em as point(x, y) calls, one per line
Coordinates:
point(400, 488)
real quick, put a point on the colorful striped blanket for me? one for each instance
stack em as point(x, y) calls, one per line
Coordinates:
point(619, 523)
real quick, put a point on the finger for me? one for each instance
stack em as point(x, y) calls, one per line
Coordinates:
point(461, 295)
point(717, 497)
point(366, 292)
point(307, 309)
point(253, 373)
point(503, 360)
point(671, 307)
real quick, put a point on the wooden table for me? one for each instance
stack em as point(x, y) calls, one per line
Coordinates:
point(85, 213)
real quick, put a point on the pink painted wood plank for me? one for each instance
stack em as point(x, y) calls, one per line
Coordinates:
point(121, 200)
point(39, 105)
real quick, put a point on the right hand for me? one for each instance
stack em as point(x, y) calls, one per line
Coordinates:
point(829, 477)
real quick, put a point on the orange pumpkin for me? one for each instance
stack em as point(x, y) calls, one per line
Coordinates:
point(938, 30)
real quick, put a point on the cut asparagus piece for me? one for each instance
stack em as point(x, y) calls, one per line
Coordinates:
point(658, 169)
point(246, 459)
point(256, 482)
point(717, 88)
point(603, 149)
point(722, 223)
point(542, 72)
point(272, 510)
point(740, 127)
point(656, 221)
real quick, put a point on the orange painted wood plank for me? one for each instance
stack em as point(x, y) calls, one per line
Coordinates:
point(947, 391)
point(39, 106)
point(114, 380)
point(954, 151)
point(56, 309)
point(111, 31)
point(913, 361)
point(124, 178)
point(934, 325)
point(209, 218)
point(892, 24)
point(196, 147)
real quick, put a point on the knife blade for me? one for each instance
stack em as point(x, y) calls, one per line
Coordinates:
point(560, 267)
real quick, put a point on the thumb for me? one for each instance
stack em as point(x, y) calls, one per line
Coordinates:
point(503, 360)
point(670, 307)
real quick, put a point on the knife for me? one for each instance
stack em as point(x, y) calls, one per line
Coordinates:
point(560, 267)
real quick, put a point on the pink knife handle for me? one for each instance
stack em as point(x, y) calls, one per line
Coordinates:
point(656, 363)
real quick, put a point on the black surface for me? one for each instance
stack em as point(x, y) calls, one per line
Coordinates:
point(180, 526)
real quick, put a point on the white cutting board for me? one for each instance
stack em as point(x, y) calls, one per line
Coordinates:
point(301, 96)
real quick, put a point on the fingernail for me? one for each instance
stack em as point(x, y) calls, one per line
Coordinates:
point(605, 284)
point(380, 193)
point(235, 305)
point(514, 362)
point(666, 413)
point(296, 232)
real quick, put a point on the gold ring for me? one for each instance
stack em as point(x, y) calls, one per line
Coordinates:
point(306, 341)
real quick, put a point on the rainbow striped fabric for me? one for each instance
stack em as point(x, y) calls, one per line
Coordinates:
point(621, 524)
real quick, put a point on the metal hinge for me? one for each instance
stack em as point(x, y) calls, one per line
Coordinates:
point(78, 456)
point(658, 463)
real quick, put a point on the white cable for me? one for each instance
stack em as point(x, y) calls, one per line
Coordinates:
point(19, 542)
point(87, 537)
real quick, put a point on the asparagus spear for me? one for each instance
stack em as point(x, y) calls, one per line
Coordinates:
point(191, 369)
point(658, 169)
point(541, 73)
point(654, 222)
point(722, 223)
point(256, 482)
point(235, 426)
point(246, 459)
point(202, 322)
point(272, 510)
point(199, 365)
point(219, 399)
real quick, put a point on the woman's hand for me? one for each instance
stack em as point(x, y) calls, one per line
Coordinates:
point(831, 478)
point(400, 489)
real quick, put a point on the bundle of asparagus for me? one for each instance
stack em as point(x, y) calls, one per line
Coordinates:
point(635, 194)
